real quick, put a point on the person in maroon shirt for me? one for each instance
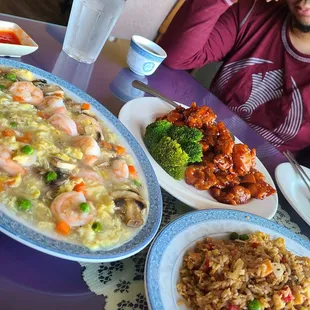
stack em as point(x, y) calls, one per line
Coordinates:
point(265, 49)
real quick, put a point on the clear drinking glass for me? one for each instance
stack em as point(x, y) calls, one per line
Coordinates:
point(90, 24)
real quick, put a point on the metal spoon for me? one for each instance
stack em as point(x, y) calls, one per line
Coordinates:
point(147, 89)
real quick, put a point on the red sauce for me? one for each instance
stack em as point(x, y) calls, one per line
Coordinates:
point(9, 37)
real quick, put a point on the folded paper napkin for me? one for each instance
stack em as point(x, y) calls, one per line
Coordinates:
point(122, 282)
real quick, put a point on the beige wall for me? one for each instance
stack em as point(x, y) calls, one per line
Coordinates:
point(142, 17)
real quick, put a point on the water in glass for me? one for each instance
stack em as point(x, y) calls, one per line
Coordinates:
point(90, 24)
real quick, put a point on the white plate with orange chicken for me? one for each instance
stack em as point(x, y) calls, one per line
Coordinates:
point(244, 184)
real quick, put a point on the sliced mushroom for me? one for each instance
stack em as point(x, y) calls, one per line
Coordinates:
point(130, 206)
point(39, 83)
point(90, 113)
point(75, 107)
point(106, 158)
point(62, 177)
point(48, 89)
point(63, 165)
point(88, 125)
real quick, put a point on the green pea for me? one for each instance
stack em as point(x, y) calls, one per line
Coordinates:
point(244, 237)
point(234, 236)
point(11, 77)
point(254, 305)
point(13, 125)
point(23, 204)
point(96, 227)
point(2, 87)
point(85, 207)
point(27, 149)
point(50, 176)
point(137, 183)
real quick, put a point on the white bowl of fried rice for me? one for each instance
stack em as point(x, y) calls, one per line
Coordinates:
point(230, 260)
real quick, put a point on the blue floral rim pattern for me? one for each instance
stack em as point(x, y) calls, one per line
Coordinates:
point(70, 251)
point(180, 224)
point(144, 53)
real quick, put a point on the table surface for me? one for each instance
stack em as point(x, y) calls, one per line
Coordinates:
point(32, 280)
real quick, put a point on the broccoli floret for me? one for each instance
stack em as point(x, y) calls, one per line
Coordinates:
point(170, 156)
point(155, 131)
point(184, 134)
point(194, 151)
point(176, 172)
point(189, 139)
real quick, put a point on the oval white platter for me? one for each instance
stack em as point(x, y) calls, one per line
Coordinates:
point(138, 113)
point(58, 246)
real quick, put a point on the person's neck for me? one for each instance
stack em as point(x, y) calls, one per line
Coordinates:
point(300, 40)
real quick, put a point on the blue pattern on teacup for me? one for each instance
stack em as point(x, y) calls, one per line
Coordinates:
point(148, 66)
point(62, 248)
point(144, 53)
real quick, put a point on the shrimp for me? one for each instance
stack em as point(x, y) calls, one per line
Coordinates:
point(28, 92)
point(120, 169)
point(63, 123)
point(92, 180)
point(52, 105)
point(87, 125)
point(89, 147)
point(8, 165)
point(66, 207)
point(89, 175)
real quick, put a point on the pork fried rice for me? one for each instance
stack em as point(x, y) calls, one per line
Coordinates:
point(253, 273)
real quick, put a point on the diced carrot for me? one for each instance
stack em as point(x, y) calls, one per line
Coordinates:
point(106, 145)
point(18, 99)
point(254, 245)
point(132, 170)
point(63, 228)
point(25, 139)
point(269, 269)
point(10, 182)
point(42, 114)
point(120, 150)
point(8, 132)
point(22, 139)
point(58, 95)
point(79, 187)
point(85, 106)
point(2, 186)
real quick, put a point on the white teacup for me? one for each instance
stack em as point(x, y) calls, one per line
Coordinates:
point(144, 56)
